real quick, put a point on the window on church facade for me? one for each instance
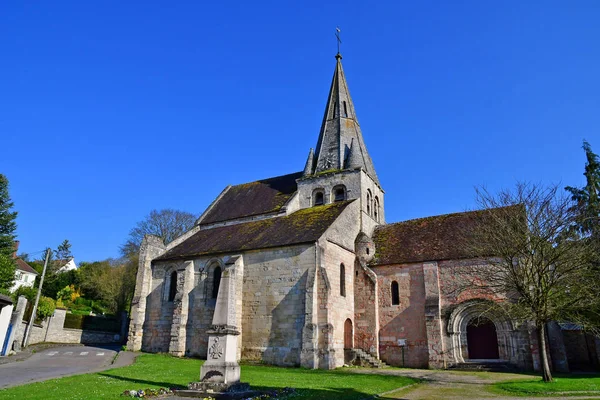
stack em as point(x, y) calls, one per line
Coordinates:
point(339, 193)
point(376, 209)
point(345, 110)
point(369, 197)
point(173, 286)
point(342, 280)
point(216, 282)
point(395, 294)
point(318, 198)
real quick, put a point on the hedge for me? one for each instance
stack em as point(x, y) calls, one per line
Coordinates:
point(92, 323)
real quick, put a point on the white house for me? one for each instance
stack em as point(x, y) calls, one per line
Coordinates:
point(68, 266)
point(24, 273)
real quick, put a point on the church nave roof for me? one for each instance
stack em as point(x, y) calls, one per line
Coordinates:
point(304, 226)
point(253, 198)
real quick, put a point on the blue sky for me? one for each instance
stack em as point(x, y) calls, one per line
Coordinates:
point(111, 109)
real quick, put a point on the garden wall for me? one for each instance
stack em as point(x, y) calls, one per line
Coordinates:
point(52, 330)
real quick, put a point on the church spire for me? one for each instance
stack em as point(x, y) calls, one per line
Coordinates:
point(340, 135)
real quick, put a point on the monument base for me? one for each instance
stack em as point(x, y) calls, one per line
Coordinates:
point(218, 391)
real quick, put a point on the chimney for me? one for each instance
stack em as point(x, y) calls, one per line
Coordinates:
point(16, 248)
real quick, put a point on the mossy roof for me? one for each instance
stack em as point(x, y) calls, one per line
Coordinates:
point(254, 198)
point(304, 226)
point(430, 239)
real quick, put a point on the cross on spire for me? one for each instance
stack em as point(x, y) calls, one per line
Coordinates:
point(339, 41)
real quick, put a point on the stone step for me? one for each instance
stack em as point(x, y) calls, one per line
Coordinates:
point(363, 358)
point(491, 366)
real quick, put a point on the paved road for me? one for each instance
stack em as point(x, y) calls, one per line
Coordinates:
point(56, 362)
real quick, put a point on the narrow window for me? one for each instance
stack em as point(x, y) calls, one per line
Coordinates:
point(342, 280)
point(339, 193)
point(376, 209)
point(319, 200)
point(345, 110)
point(173, 286)
point(368, 202)
point(395, 294)
point(216, 282)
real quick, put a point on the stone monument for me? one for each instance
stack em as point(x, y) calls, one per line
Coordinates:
point(220, 374)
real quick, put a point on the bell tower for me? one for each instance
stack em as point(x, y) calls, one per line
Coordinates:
point(341, 168)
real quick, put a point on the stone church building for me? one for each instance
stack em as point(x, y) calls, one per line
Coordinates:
point(318, 271)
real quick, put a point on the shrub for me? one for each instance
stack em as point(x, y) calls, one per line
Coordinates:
point(46, 307)
point(80, 301)
point(26, 291)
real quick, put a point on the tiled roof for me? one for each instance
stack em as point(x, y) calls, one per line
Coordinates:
point(23, 266)
point(428, 239)
point(304, 226)
point(254, 198)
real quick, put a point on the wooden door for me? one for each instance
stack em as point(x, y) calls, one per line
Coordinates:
point(348, 334)
point(482, 341)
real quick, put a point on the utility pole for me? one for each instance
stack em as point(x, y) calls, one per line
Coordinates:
point(37, 299)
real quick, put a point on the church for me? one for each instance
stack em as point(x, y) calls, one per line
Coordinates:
point(321, 279)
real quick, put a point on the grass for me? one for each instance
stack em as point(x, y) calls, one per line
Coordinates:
point(154, 371)
point(562, 385)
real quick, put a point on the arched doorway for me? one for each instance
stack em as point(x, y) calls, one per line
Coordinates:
point(348, 334)
point(482, 340)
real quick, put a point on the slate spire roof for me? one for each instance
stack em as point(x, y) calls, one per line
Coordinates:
point(341, 145)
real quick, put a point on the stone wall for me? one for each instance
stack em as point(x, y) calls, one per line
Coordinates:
point(580, 350)
point(52, 331)
point(271, 309)
point(458, 308)
point(159, 310)
point(430, 322)
point(366, 322)
point(274, 303)
point(402, 325)
point(335, 306)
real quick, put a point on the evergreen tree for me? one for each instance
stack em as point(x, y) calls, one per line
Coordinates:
point(587, 199)
point(7, 236)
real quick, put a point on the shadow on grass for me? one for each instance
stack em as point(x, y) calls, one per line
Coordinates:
point(322, 394)
point(142, 382)
point(303, 393)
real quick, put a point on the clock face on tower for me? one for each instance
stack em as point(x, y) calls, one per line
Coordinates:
point(327, 162)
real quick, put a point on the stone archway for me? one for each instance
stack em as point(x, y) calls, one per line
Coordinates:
point(490, 332)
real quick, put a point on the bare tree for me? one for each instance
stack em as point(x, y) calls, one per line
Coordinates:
point(535, 267)
point(168, 224)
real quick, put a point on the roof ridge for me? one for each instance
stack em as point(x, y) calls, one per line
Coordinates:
point(444, 215)
point(269, 179)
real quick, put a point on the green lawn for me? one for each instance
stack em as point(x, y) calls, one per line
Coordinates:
point(154, 371)
point(563, 384)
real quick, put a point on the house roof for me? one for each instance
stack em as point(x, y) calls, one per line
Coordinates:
point(429, 239)
point(23, 266)
point(304, 226)
point(254, 198)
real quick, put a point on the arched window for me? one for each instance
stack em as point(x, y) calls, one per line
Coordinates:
point(216, 282)
point(376, 209)
point(173, 286)
point(395, 294)
point(318, 198)
point(339, 193)
point(369, 201)
point(345, 110)
point(342, 280)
